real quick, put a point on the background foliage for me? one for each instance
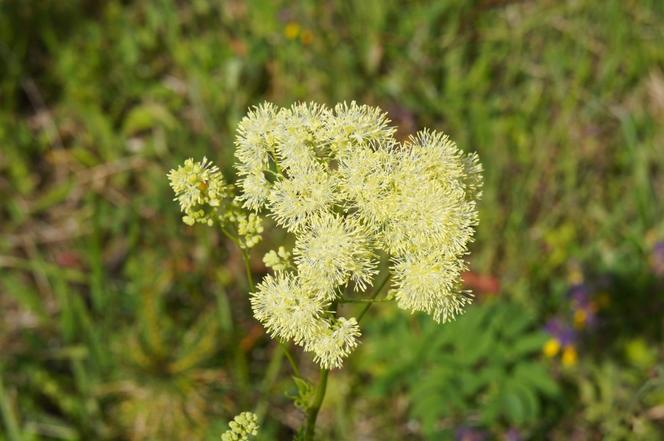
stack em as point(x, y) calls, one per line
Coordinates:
point(120, 323)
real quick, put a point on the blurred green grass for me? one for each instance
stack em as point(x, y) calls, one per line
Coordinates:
point(118, 322)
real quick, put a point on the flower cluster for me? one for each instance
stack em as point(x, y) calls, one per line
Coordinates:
point(204, 197)
point(243, 427)
point(349, 192)
point(585, 303)
point(199, 189)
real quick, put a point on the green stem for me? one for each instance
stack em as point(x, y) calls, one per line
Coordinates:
point(312, 412)
point(245, 257)
point(242, 374)
point(276, 165)
point(270, 378)
point(373, 297)
point(241, 364)
point(365, 300)
point(8, 416)
point(247, 269)
point(291, 360)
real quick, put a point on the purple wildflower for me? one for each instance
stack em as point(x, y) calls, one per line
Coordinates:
point(561, 331)
point(580, 295)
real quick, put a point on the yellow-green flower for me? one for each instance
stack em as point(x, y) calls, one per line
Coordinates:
point(278, 260)
point(199, 189)
point(243, 427)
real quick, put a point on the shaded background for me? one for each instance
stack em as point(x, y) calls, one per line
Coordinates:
point(118, 322)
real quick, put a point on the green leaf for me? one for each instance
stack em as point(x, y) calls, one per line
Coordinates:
point(304, 395)
point(478, 346)
point(515, 408)
point(529, 399)
point(147, 116)
point(526, 345)
point(537, 376)
point(513, 321)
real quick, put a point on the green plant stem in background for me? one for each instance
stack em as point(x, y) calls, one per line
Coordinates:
point(247, 269)
point(312, 412)
point(8, 417)
point(242, 374)
point(271, 375)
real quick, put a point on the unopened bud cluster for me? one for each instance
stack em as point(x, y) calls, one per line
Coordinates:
point(243, 427)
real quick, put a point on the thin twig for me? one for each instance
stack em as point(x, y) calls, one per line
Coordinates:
point(373, 296)
point(247, 269)
point(385, 300)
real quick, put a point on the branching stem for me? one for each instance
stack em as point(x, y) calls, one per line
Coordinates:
point(373, 296)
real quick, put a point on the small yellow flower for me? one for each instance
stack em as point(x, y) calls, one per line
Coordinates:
point(551, 347)
point(580, 318)
point(570, 356)
point(292, 30)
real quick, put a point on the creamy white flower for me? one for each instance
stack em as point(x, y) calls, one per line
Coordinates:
point(255, 190)
point(333, 251)
point(366, 183)
point(255, 138)
point(430, 283)
point(299, 145)
point(334, 342)
point(285, 309)
point(254, 143)
point(352, 125)
point(293, 202)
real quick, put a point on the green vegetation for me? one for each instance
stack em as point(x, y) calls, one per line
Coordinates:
point(119, 322)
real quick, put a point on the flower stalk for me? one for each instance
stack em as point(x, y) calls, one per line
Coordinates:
point(314, 408)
